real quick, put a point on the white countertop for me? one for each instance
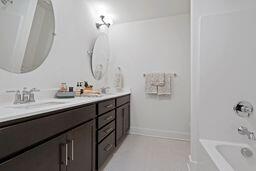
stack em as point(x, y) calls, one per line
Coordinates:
point(8, 113)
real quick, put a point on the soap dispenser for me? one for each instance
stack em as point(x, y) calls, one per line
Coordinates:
point(118, 81)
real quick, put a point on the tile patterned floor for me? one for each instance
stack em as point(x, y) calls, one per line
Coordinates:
point(141, 153)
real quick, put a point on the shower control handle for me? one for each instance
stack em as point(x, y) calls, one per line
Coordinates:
point(243, 109)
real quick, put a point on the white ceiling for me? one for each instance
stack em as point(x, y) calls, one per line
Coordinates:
point(132, 10)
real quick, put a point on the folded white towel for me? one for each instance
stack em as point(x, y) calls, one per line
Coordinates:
point(158, 79)
point(166, 88)
point(149, 88)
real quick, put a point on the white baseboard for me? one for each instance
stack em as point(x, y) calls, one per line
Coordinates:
point(160, 133)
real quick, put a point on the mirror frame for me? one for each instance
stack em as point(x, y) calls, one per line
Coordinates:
point(47, 52)
point(90, 53)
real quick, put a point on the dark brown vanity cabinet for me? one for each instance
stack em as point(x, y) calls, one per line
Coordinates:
point(122, 122)
point(81, 148)
point(72, 151)
point(79, 138)
point(62, 141)
point(112, 126)
point(106, 149)
point(105, 130)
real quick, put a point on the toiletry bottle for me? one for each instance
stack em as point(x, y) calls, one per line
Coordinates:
point(81, 88)
point(118, 81)
point(86, 84)
point(63, 87)
point(77, 91)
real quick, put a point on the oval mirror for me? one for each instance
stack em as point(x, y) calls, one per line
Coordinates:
point(26, 34)
point(100, 57)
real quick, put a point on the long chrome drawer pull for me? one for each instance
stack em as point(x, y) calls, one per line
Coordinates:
point(72, 146)
point(66, 157)
point(109, 118)
point(108, 130)
point(109, 106)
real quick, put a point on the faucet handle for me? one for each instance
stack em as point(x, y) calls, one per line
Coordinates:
point(24, 89)
point(31, 94)
point(243, 109)
point(17, 99)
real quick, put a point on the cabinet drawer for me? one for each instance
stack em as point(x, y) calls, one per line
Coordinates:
point(106, 130)
point(18, 137)
point(122, 100)
point(106, 118)
point(106, 148)
point(106, 106)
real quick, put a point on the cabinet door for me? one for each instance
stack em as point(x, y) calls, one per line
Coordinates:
point(119, 124)
point(122, 122)
point(81, 148)
point(50, 156)
point(126, 118)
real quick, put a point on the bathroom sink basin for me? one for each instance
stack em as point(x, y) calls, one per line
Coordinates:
point(36, 105)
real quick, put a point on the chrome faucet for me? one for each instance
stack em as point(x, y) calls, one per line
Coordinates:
point(244, 131)
point(24, 97)
point(31, 97)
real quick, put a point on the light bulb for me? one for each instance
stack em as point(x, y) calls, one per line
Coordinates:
point(109, 20)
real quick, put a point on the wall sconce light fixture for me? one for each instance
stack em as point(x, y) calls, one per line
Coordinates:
point(104, 23)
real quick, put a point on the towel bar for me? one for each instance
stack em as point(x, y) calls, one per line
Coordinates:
point(173, 74)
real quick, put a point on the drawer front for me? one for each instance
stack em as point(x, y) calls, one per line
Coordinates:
point(122, 100)
point(106, 130)
point(105, 149)
point(106, 118)
point(17, 137)
point(106, 106)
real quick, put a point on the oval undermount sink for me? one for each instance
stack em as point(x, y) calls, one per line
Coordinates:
point(36, 105)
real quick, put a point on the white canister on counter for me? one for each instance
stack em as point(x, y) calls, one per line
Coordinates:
point(118, 80)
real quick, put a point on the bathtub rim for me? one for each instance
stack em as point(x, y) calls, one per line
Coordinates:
point(210, 147)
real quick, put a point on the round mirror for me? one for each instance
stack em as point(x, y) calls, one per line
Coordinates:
point(27, 32)
point(100, 56)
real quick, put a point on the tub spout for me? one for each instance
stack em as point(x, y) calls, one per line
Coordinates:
point(244, 131)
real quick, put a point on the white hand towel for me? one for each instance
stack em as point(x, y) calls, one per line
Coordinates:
point(158, 79)
point(149, 88)
point(166, 88)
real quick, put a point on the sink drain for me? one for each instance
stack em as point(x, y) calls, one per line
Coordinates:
point(246, 152)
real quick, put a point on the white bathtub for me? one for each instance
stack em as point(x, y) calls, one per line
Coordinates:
point(227, 156)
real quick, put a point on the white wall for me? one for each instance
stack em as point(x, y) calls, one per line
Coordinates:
point(158, 45)
point(68, 60)
point(223, 58)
